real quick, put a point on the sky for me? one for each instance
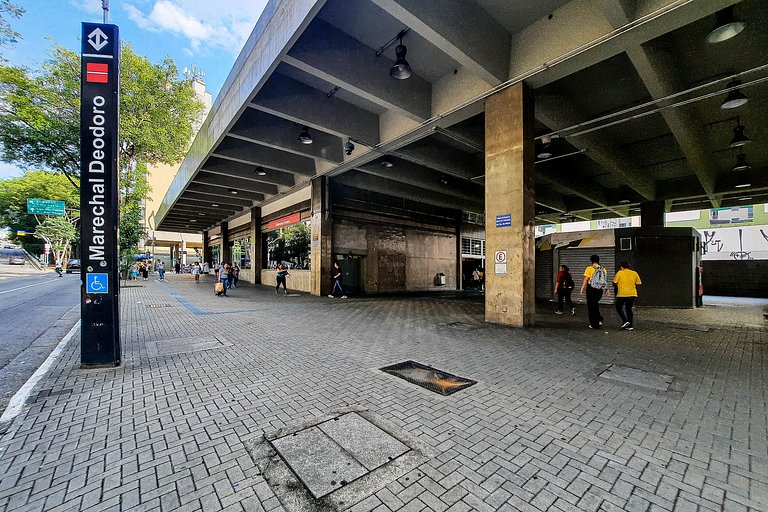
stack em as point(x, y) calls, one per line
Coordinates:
point(208, 34)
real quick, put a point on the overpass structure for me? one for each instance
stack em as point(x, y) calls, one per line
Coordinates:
point(404, 132)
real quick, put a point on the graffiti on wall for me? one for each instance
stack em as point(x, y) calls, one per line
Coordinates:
point(745, 243)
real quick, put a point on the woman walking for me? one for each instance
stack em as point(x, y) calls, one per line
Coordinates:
point(196, 271)
point(563, 288)
point(282, 273)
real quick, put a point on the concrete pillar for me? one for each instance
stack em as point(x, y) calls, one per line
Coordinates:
point(652, 214)
point(459, 260)
point(183, 253)
point(322, 241)
point(206, 249)
point(255, 230)
point(509, 207)
point(225, 253)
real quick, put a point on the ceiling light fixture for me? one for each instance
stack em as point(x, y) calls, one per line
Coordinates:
point(739, 139)
point(192, 220)
point(624, 201)
point(742, 185)
point(214, 205)
point(745, 199)
point(735, 97)
point(741, 163)
point(260, 171)
point(546, 147)
point(387, 163)
point(349, 146)
point(233, 191)
point(726, 26)
point(401, 70)
point(304, 137)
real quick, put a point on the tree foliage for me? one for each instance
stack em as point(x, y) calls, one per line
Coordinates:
point(40, 121)
point(9, 10)
point(14, 193)
point(59, 232)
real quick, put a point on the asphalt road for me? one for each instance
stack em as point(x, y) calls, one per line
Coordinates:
point(34, 316)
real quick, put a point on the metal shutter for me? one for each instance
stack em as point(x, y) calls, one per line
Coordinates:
point(577, 260)
point(544, 282)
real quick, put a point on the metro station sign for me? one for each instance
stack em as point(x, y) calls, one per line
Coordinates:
point(284, 221)
point(99, 98)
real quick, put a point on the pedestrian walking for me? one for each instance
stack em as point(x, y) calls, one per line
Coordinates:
point(282, 273)
point(596, 283)
point(476, 279)
point(144, 271)
point(178, 267)
point(134, 272)
point(161, 269)
point(338, 276)
point(217, 270)
point(625, 283)
point(223, 278)
point(564, 285)
point(230, 275)
point(235, 274)
point(196, 271)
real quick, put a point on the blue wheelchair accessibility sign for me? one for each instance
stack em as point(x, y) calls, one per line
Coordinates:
point(97, 283)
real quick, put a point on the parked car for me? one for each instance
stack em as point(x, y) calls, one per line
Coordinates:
point(73, 266)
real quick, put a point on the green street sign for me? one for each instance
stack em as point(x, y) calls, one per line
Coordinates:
point(45, 207)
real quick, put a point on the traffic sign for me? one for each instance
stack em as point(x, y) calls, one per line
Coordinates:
point(501, 257)
point(45, 207)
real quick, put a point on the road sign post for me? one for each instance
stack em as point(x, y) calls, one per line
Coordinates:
point(45, 207)
point(99, 94)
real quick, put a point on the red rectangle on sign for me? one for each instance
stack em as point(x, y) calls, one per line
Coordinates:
point(96, 72)
point(284, 221)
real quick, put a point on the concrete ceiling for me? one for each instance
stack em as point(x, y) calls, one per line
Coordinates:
point(324, 74)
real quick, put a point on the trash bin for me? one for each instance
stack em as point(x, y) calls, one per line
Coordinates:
point(440, 279)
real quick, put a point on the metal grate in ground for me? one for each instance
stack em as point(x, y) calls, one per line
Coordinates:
point(429, 378)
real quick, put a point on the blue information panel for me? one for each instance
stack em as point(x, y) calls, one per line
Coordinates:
point(504, 221)
point(97, 283)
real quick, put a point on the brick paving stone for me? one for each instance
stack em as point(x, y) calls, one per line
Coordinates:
point(537, 432)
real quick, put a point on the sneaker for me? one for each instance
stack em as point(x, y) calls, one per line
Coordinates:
point(590, 326)
point(625, 325)
point(558, 312)
point(630, 328)
point(343, 296)
point(286, 292)
point(277, 291)
point(330, 295)
point(599, 324)
point(573, 311)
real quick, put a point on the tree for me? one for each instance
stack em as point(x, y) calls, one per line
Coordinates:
point(40, 120)
point(9, 10)
point(14, 193)
point(59, 233)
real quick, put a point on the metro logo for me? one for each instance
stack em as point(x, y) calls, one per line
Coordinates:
point(96, 72)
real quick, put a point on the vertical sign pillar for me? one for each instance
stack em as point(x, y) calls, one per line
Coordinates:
point(509, 208)
point(99, 95)
point(255, 230)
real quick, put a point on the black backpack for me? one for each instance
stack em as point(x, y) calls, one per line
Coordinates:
point(567, 282)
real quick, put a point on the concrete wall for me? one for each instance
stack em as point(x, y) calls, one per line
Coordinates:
point(736, 278)
point(397, 258)
point(298, 280)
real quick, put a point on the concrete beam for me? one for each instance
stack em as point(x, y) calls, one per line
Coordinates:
point(199, 189)
point(254, 154)
point(248, 171)
point(556, 113)
point(397, 189)
point(443, 158)
point(234, 183)
point(278, 133)
point(541, 45)
point(331, 55)
point(479, 43)
point(208, 200)
point(300, 103)
point(411, 174)
point(194, 208)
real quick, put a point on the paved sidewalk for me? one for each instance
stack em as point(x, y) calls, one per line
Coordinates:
point(539, 431)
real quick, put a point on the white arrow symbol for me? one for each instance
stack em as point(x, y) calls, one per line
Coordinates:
point(98, 39)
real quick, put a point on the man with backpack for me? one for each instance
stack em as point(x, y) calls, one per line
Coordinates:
point(563, 288)
point(596, 283)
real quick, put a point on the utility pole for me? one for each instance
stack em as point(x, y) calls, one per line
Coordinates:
point(105, 6)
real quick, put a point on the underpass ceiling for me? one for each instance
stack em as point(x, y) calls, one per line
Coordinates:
point(658, 155)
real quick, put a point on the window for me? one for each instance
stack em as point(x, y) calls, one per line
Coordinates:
point(215, 254)
point(241, 251)
point(472, 246)
point(289, 245)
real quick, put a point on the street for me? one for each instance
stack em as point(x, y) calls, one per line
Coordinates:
point(31, 323)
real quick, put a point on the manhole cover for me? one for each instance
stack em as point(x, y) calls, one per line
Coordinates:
point(332, 462)
point(636, 377)
point(428, 377)
point(158, 305)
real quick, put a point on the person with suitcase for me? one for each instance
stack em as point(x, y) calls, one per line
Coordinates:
point(221, 285)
